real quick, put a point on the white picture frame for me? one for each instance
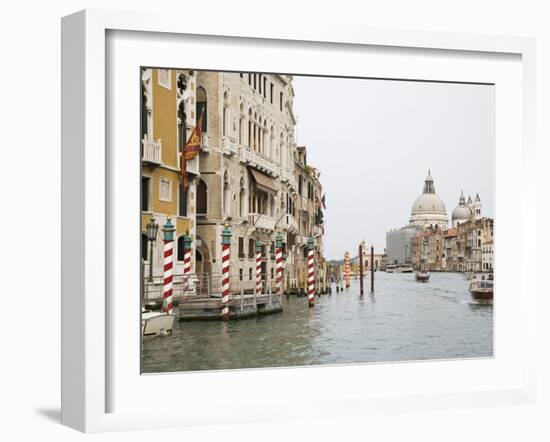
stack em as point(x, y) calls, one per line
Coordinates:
point(86, 234)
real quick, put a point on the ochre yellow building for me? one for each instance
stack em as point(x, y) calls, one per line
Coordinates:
point(167, 96)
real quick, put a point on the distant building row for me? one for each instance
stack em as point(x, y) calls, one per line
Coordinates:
point(428, 243)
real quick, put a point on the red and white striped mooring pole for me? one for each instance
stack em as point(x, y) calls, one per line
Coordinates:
point(168, 230)
point(347, 269)
point(258, 268)
point(186, 261)
point(311, 271)
point(226, 245)
point(279, 263)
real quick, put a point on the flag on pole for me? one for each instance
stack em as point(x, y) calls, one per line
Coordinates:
point(191, 150)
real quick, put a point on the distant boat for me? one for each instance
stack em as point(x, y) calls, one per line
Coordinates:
point(422, 276)
point(390, 268)
point(404, 269)
point(156, 323)
point(481, 290)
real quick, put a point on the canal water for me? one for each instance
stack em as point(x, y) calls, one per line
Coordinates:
point(403, 320)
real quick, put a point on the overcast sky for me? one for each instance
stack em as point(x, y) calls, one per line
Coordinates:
point(374, 141)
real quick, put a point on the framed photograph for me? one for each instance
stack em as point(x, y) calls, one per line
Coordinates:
point(319, 216)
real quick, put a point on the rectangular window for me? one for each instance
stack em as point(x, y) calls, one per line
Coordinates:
point(265, 83)
point(260, 83)
point(251, 247)
point(241, 247)
point(202, 109)
point(240, 274)
point(271, 93)
point(145, 192)
point(164, 78)
point(281, 101)
point(182, 203)
point(250, 274)
point(255, 78)
point(165, 189)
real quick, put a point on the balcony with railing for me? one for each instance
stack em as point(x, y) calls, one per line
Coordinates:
point(261, 221)
point(289, 223)
point(258, 161)
point(151, 151)
point(229, 147)
point(192, 165)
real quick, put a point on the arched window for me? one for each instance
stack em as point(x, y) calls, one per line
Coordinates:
point(181, 250)
point(225, 116)
point(242, 199)
point(281, 149)
point(182, 131)
point(182, 201)
point(250, 129)
point(144, 113)
point(226, 194)
point(272, 154)
point(241, 128)
point(144, 244)
point(202, 107)
point(202, 198)
point(255, 133)
point(265, 143)
point(271, 206)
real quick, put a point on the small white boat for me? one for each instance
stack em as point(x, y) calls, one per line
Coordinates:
point(404, 269)
point(390, 268)
point(156, 323)
point(482, 289)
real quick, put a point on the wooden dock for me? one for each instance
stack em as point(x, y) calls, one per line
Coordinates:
point(189, 308)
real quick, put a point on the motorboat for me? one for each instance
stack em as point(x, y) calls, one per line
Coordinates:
point(156, 323)
point(422, 276)
point(390, 268)
point(481, 289)
point(404, 269)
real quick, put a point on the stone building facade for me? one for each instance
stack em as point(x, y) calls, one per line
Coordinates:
point(487, 256)
point(249, 174)
point(459, 249)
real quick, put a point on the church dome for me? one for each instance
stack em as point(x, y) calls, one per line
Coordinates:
point(429, 209)
point(429, 203)
point(461, 212)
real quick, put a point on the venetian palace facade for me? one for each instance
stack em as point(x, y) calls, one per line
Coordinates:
point(249, 175)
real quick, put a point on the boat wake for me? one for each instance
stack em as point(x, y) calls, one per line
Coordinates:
point(483, 303)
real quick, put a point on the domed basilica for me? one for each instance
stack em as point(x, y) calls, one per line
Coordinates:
point(429, 209)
